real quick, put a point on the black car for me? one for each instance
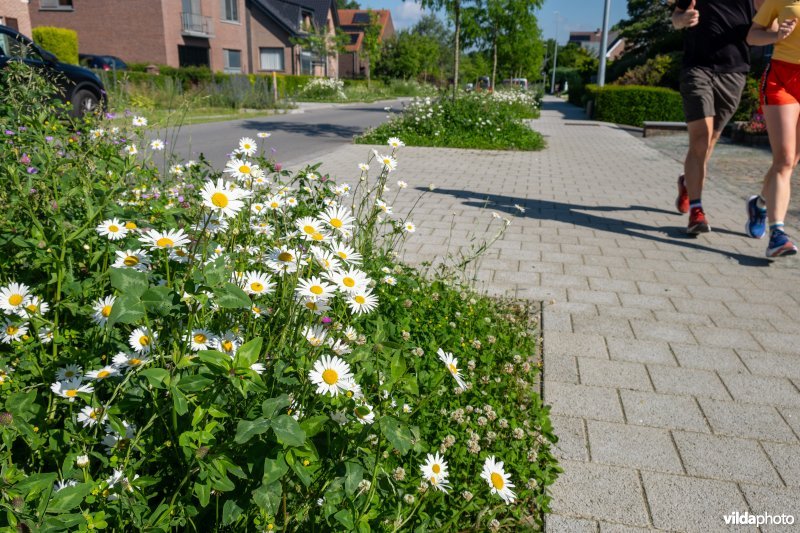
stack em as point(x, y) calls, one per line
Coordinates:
point(102, 62)
point(77, 85)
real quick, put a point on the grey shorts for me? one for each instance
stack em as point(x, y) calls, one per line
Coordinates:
point(711, 94)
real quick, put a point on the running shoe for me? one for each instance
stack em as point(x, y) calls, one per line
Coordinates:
point(756, 226)
point(682, 201)
point(780, 245)
point(697, 222)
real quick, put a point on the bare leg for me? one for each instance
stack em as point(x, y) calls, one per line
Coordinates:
point(782, 127)
point(701, 144)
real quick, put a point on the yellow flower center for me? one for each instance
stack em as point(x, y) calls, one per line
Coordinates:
point(113, 228)
point(93, 414)
point(130, 225)
point(219, 199)
point(497, 481)
point(256, 286)
point(71, 393)
point(246, 147)
point(31, 308)
point(131, 261)
point(144, 340)
point(134, 362)
point(274, 205)
point(453, 368)
point(309, 229)
point(349, 282)
point(12, 330)
point(103, 374)
point(106, 311)
point(199, 338)
point(330, 376)
point(342, 255)
point(312, 305)
point(436, 469)
point(244, 169)
point(285, 257)
point(316, 289)
point(318, 236)
point(165, 242)
point(360, 299)
point(69, 374)
point(15, 299)
point(256, 310)
point(227, 345)
point(336, 223)
point(433, 480)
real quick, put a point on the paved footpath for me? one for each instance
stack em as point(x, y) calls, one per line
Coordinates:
point(672, 364)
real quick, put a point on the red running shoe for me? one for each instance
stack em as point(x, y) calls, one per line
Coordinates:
point(697, 222)
point(682, 201)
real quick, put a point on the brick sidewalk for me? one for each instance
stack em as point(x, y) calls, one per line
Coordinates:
point(672, 364)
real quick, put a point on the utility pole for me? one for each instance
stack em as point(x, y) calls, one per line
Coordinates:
point(601, 74)
point(555, 59)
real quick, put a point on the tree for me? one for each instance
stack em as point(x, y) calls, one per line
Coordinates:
point(648, 28)
point(371, 43)
point(321, 44)
point(409, 55)
point(347, 4)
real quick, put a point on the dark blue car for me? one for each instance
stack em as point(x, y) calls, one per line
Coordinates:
point(77, 85)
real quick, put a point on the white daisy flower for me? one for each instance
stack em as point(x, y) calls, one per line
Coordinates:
point(346, 253)
point(258, 283)
point(402, 184)
point(89, 416)
point(12, 331)
point(325, 258)
point(329, 374)
point(364, 413)
point(409, 227)
point(128, 361)
point(34, 306)
point(131, 149)
point(176, 169)
point(350, 333)
point(499, 482)
point(222, 199)
point(202, 339)
point(394, 142)
point(310, 229)
point(284, 260)
point(434, 471)
point(45, 335)
point(112, 229)
point(390, 280)
point(389, 163)
point(228, 343)
point(157, 145)
point(258, 368)
point(349, 281)
point(314, 288)
point(338, 347)
point(97, 133)
point(104, 373)
point(291, 201)
point(247, 146)
point(383, 207)
point(82, 461)
point(63, 484)
point(263, 135)
point(452, 365)
point(275, 202)
point(337, 217)
point(70, 388)
point(315, 335)
point(139, 122)
point(135, 259)
point(70, 371)
point(102, 310)
point(141, 340)
point(113, 440)
point(173, 238)
point(362, 301)
point(363, 167)
point(14, 296)
point(240, 168)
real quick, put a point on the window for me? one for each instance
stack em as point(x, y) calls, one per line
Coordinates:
point(306, 63)
point(272, 59)
point(230, 10)
point(233, 60)
point(193, 56)
point(55, 4)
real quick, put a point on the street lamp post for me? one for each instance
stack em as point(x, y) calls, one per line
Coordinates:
point(601, 74)
point(555, 60)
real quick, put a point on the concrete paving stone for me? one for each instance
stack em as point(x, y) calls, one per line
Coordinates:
point(565, 281)
point(606, 326)
point(554, 256)
point(627, 313)
point(761, 296)
point(608, 527)
point(662, 289)
point(700, 307)
point(779, 504)
point(769, 364)
point(544, 294)
point(633, 446)
point(662, 255)
point(556, 523)
point(676, 317)
point(648, 264)
point(751, 310)
point(573, 308)
point(792, 417)
point(526, 254)
point(725, 458)
point(583, 249)
point(572, 443)
point(746, 420)
point(785, 458)
point(753, 325)
point(725, 338)
point(561, 368)
point(601, 492)
point(663, 410)
point(728, 282)
point(694, 268)
point(675, 502)
point(779, 342)
point(557, 322)
point(632, 274)
point(639, 351)
point(623, 252)
point(718, 294)
point(647, 330)
point(613, 374)
point(597, 403)
point(575, 344)
point(613, 285)
point(589, 271)
point(761, 389)
point(679, 279)
point(605, 260)
point(708, 358)
point(646, 301)
point(687, 382)
point(592, 296)
point(552, 268)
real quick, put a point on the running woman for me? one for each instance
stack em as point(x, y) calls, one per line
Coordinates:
point(716, 61)
point(775, 24)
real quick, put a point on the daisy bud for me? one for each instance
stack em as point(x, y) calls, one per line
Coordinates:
point(6, 419)
point(409, 499)
point(82, 461)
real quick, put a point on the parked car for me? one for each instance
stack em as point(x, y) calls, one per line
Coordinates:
point(76, 85)
point(517, 83)
point(102, 62)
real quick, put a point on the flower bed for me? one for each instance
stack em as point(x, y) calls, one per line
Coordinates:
point(185, 350)
point(476, 120)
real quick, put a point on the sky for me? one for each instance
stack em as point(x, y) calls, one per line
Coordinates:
point(573, 15)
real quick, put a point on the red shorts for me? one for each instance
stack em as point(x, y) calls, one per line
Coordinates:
point(780, 84)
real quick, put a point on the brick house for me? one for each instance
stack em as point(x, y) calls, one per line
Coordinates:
point(592, 40)
point(14, 14)
point(236, 36)
point(353, 22)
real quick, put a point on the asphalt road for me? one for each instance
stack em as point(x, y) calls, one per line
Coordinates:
point(295, 138)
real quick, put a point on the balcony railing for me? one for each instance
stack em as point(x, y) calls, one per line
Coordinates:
point(196, 25)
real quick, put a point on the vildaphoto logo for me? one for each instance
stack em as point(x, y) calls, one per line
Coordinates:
point(746, 519)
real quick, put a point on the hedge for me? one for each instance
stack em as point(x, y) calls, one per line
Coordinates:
point(634, 104)
point(61, 42)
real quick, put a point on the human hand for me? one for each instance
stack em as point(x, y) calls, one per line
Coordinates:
point(688, 18)
point(786, 28)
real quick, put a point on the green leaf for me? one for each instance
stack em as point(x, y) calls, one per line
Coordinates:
point(268, 497)
point(158, 300)
point(397, 433)
point(248, 353)
point(215, 273)
point(195, 383)
point(274, 469)
point(301, 473)
point(127, 309)
point(69, 497)
point(230, 512)
point(345, 518)
point(35, 483)
point(22, 405)
point(288, 431)
point(180, 401)
point(128, 281)
point(397, 368)
point(203, 493)
point(247, 429)
point(215, 360)
point(230, 296)
point(313, 425)
point(271, 406)
point(158, 377)
point(354, 473)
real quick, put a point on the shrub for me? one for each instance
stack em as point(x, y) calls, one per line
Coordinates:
point(323, 89)
point(750, 103)
point(660, 71)
point(61, 42)
point(632, 105)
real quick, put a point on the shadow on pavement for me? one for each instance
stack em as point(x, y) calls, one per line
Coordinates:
point(564, 108)
point(316, 129)
point(580, 215)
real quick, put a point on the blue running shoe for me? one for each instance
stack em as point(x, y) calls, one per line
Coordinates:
point(756, 226)
point(780, 245)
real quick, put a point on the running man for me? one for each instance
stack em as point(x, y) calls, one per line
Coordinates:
point(716, 61)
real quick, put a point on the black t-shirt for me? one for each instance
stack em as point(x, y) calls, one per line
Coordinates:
point(718, 41)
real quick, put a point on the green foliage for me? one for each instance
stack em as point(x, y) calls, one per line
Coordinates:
point(633, 105)
point(61, 42)
point(648, 28)
point(347, 4)
point(210, 415)
point(409, 55)
point(474, 120)
point(660, 71)
point(750, 103)
point(371, 43)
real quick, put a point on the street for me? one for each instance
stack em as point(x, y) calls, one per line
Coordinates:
point(297, 137)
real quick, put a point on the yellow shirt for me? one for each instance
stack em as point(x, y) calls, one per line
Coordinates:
point(788, 49)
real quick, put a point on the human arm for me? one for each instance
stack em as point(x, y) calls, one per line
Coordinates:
point(686, 18)
point(760, 35)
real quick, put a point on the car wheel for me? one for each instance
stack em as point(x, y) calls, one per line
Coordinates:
point(83, 102)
